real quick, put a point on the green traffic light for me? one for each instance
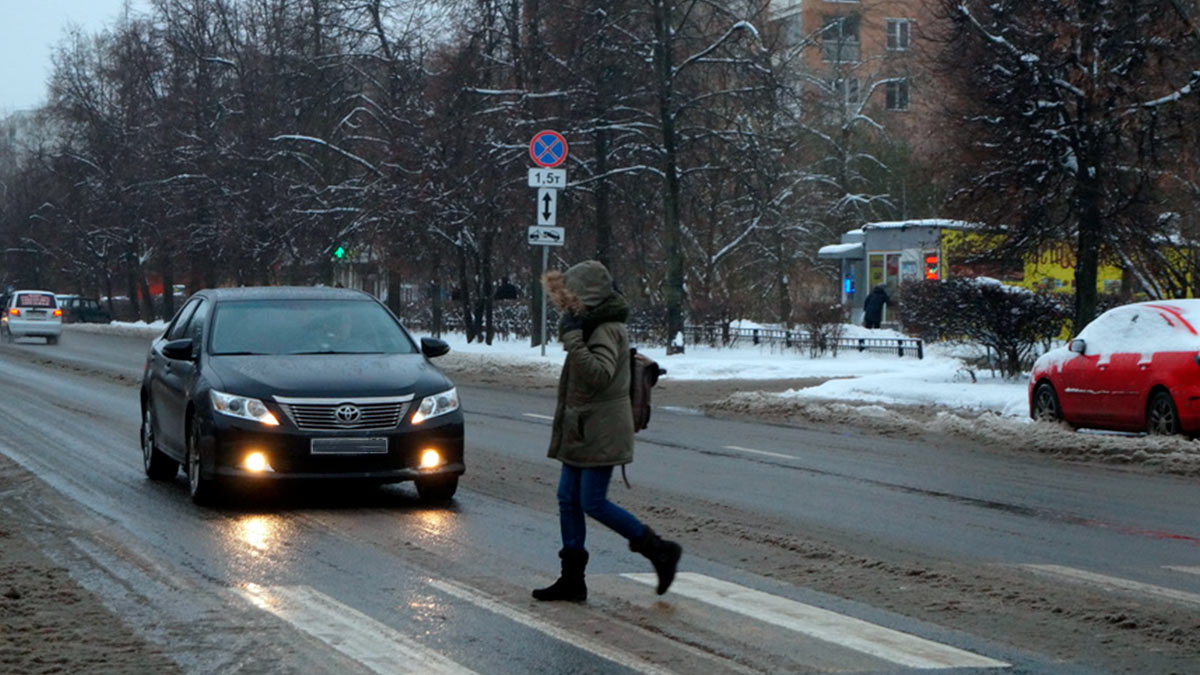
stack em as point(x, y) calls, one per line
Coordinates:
point(339, 252)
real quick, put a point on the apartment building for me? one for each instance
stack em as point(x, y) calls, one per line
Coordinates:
point(866, 56)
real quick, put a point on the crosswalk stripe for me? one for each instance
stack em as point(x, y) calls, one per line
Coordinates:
point(884, 643)
point(1072, 574)
point(376, 646)
point(1185, 569)
point(600, 649)
point(758, 452)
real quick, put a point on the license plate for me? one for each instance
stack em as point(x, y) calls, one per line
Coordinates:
point(349, 446)
point(40, 316)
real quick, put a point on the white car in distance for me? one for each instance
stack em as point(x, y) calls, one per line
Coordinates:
point(32, 314)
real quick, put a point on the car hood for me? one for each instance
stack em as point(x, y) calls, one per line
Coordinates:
point(326, 375)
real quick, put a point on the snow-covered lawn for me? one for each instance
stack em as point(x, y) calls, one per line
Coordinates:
point(940, 379)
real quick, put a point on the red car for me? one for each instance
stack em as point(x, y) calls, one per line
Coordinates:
point(1134, 368)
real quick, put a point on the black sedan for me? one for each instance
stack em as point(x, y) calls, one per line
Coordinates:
point(274, 383)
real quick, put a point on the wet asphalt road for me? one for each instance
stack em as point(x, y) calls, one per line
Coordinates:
point(327, 580)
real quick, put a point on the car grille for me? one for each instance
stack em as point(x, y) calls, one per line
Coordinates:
point(345, 414)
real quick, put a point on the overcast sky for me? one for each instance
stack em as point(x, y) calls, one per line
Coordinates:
point(29, 30)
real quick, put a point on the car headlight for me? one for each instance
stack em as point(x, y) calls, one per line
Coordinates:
point(438, 404)
point(243, 407)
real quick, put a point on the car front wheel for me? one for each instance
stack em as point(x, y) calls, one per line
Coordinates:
point(437, 489)
point(157, 465)
point(203, 490)
point(1045, 406)
point(1162, 418)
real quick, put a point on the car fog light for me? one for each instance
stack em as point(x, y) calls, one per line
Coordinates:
point(256, 462)
point(430, 458)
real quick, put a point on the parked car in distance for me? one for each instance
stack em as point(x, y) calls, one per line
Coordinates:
point(292, 384)
point(78, 309)
point(1134, 368)
point(31, 314)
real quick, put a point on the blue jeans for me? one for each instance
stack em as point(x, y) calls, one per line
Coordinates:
point(585, 491)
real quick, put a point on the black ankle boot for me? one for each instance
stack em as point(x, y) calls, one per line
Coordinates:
point(570, 585)
point(662, 553)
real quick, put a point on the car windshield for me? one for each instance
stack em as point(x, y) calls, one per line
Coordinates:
point(306, 327)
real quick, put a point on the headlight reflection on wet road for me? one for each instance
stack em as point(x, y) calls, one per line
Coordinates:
point(260, 532)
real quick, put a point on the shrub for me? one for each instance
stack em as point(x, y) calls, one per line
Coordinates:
point(1007, 319)
point(823, 321)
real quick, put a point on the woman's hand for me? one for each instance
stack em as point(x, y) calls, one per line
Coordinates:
point(570, 321)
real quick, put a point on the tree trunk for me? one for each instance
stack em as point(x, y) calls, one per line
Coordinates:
point(168, 276)
point(671, 225)
point(537, 297)
point(1087, 262)
point(603, 226)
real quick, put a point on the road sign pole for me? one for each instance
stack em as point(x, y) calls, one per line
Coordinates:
point(545, 263)
point(547, 149)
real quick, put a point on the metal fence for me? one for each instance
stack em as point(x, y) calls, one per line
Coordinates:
point(720, 335)
point(717, 335)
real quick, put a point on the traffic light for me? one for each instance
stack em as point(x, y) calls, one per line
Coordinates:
point(339, 252)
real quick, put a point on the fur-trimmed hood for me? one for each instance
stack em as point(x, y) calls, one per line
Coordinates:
point(586, 284)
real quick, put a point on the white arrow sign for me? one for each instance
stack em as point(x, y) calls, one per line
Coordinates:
point(547, 205)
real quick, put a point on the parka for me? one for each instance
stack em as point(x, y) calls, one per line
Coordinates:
point(873, 306)
point(593, 420)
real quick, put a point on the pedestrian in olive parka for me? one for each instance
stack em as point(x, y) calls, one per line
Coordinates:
point(593, 426)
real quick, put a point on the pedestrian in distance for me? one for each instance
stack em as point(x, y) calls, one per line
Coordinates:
point(873, 307)
point(593, 426)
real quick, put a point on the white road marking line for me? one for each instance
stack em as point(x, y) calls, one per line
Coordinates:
point(600, 649)
point(1072, 574)
point(539, 417)
point(380, 648)
point(1184, 569)
point(758, 452)
point(884, 643)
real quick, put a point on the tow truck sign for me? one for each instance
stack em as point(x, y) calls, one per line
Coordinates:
point(546, 236)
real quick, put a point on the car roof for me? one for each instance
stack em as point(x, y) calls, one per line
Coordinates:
point(1186, 308)
point(284, 293)
point(30, 290)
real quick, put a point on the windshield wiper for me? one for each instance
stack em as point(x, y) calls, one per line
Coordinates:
point(240, 354)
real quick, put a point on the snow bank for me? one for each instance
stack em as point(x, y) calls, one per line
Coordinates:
point(134, 328)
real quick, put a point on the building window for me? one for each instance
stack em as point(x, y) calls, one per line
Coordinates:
point(897, 95)
point(898, 34)
point(845, 90)
point(791, 29)
point(839, 39)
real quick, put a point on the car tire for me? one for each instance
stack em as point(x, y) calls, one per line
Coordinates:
point(437, 489)
point(157, 465)
point(52, 340)
point(204, 491)
point(1045, 406)
point(1162, 417)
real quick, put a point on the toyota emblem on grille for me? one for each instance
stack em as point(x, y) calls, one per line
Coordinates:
point(347, 414)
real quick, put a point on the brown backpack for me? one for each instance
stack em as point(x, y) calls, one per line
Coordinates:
point(644, 373)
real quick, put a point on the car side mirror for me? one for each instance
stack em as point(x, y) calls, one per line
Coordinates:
point(432, 347)
point(179, 350)
point(1078, 346)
